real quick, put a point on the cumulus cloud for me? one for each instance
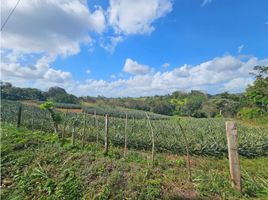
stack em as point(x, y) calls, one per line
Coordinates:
point(133, 67)
point(165, 65)
point(88, 71)
point(110, 43)
point(226, 73)
point(50, 26)
point(41, 31)
point(127, 17)
point(41, 69)
point(237, 84)
point(136, 17)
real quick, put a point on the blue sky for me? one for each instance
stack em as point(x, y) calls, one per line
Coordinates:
point(120, 48)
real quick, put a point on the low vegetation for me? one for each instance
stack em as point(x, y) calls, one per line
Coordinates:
point(38, 165)
point(120, 112)
point(205, 136)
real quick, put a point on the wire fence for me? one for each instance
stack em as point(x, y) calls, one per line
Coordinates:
point(205, 136)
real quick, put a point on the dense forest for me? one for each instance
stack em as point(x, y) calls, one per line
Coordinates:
point(252, 104)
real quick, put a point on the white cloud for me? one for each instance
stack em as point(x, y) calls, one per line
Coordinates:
point(166, 65)
point(240, 48)
point(88, 71)
point(205, 2)
point(127, 17)
point(219, 64)
point(233, 77)
point(133, 67)
point(97, 20)
point(237, 84)
point(136, 17)
point(113, 41)
point(39, 32)
point(226, 73)
point(25, 75)
point(49, 26)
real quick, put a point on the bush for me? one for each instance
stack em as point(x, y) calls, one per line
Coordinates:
point(249, 113)
point(199, 114)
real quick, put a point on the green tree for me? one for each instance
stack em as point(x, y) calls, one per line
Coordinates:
point(162, 107)
point(59, 95)
point(179, 105)
point(257, 94)
point(56, 117)
point(210, 108)
point(16, 93)
point(195, 101)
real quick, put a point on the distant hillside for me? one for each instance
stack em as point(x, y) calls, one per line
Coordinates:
point(251, 105)
point(195, 103)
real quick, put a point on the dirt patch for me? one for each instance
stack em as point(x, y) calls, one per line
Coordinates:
point(30, 103)
point(172, 191)
point(73, 110)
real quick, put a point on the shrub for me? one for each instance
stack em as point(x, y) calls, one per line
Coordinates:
point(199, 114)
point(249, 113)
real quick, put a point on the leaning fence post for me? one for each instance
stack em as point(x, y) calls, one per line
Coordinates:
point(73, 135)
point(64, 125)
point(187, 152)
point(32, 121)
point(152, 137)
point(231, 133)
point(96, 126)
point(106, 134)
point(19, 116)
point(125, 148)
point(84, 130)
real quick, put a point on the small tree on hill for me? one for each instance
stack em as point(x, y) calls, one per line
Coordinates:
point(56, 118)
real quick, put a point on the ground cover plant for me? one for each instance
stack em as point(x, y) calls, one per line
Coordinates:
point(39, 165)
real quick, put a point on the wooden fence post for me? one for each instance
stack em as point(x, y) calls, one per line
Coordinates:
point(106, 142)
point(187, 153)
point(73, 135)
point(42, 125)
point(32, 121)
point(44, 120)
point(231, 132)
point(152, 137)
point(63, 133)
point(96, 126)
point(84, 130)
point(125, 148)
point(19, 116)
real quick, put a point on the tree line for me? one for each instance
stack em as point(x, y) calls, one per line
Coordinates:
point(251, 104)
point(54, 94)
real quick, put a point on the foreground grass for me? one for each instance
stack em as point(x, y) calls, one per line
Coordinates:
point(37, 165)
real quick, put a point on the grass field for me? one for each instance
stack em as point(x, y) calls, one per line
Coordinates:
point(37, 165)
